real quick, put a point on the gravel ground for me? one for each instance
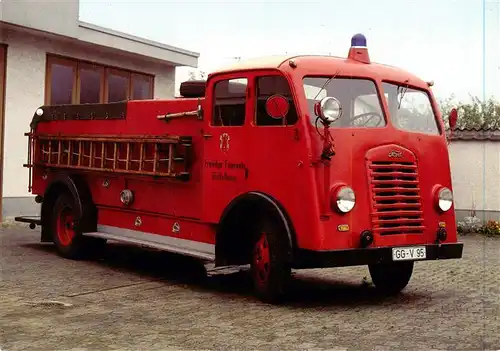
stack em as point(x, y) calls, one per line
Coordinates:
point(132, 299)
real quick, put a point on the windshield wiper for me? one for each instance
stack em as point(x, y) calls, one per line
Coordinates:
point(326, 83)
point(402, 90)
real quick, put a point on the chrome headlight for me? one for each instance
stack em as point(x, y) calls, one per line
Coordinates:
point(445, 199)
point(345, 199)
point(328, 109)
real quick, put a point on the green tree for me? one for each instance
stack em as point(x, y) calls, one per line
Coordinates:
point(474, 114)
point(199, 75)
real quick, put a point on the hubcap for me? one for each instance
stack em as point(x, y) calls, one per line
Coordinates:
point(262, 259)
point(65, 226)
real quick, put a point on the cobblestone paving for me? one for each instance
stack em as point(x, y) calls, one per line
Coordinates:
point(131, 299)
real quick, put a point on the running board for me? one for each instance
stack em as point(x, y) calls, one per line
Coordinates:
point(212, 270)
point(191, 248)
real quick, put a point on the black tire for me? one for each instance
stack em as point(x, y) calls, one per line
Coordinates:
point(391, 277)
point(270, 266)
point(69, 241)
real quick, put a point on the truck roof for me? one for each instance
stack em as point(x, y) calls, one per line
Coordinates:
point(324, 64)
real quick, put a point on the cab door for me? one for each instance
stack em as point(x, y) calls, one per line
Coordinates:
point(278, 158)
point(224, 171)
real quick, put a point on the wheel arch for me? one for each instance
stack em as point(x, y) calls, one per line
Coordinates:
point(261, 203)
point(78, 188)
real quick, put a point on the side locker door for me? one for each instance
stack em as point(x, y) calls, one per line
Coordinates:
point(227, 116)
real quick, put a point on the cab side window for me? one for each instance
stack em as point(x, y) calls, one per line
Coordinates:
point(229, 102)
point(274, 112)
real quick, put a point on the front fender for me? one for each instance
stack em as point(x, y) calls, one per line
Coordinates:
point(273, 203)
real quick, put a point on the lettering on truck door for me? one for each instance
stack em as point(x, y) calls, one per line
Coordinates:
point(224, 160)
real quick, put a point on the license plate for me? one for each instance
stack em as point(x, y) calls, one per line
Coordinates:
point(408, 253)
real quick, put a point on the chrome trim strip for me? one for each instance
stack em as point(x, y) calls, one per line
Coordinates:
point(161, 242)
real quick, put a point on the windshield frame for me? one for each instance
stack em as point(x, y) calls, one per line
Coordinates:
point(378, 90)
point(430, 98)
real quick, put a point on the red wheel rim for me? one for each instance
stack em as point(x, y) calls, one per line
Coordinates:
point(65, 231)
point(262, 259)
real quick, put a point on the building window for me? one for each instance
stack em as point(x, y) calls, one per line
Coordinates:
point(91, 79)
point(62, 81)
point(142, 87)
point(71, 81)
point(118, 86)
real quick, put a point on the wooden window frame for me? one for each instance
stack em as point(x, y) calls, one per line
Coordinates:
point(116, 72)
point(48, 77)
point(92, 67)
point(151, 83)
point(76, 64)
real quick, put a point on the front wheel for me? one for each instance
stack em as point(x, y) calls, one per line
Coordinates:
point(270, 268)
point(392, 277)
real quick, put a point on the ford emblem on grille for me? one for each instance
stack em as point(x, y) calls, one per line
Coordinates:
point(395, 154)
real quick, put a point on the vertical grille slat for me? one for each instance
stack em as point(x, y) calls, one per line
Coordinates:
point(396, 200)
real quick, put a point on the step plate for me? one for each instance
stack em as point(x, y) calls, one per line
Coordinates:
point(191, 248)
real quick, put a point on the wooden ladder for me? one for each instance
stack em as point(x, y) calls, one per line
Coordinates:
point(166, 156)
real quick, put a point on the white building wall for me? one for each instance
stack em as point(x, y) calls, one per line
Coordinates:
point(41, 15)
point(25, 83)
point(475, 167)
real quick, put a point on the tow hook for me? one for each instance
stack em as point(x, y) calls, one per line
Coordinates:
point(441, 235)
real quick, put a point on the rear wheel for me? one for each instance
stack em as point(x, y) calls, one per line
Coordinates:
point(69, 241)
point(392, 277)
point(271, 271)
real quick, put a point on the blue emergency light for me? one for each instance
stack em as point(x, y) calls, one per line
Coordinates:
point(358, 40)
point(358, 50)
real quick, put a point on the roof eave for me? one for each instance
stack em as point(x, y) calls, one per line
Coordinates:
point(174, 56)
point(133, 46)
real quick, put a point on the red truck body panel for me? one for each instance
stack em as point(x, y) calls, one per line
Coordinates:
point(281, 162)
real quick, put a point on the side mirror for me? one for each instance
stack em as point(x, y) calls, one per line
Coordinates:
point(328, 109)
point(453, 118)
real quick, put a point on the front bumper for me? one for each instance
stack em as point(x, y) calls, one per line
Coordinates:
point(364, 256)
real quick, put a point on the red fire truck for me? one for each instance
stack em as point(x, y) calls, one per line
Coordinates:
point(280, 163)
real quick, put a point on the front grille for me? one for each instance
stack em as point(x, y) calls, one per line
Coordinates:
point(396, 201)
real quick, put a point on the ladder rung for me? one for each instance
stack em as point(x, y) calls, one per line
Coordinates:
point(91, 163)
point(115, 155)
point(79, 153)
point(141, 159)
point(59, 147)
point(103, 154)
point(155, 158)
point(127, 161)
point(170, 156)
point(69, 153)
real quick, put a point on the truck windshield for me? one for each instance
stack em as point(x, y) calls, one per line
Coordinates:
point(410, 109)
point(361, 106)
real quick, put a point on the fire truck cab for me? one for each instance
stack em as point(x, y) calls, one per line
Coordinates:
point(281, 163)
